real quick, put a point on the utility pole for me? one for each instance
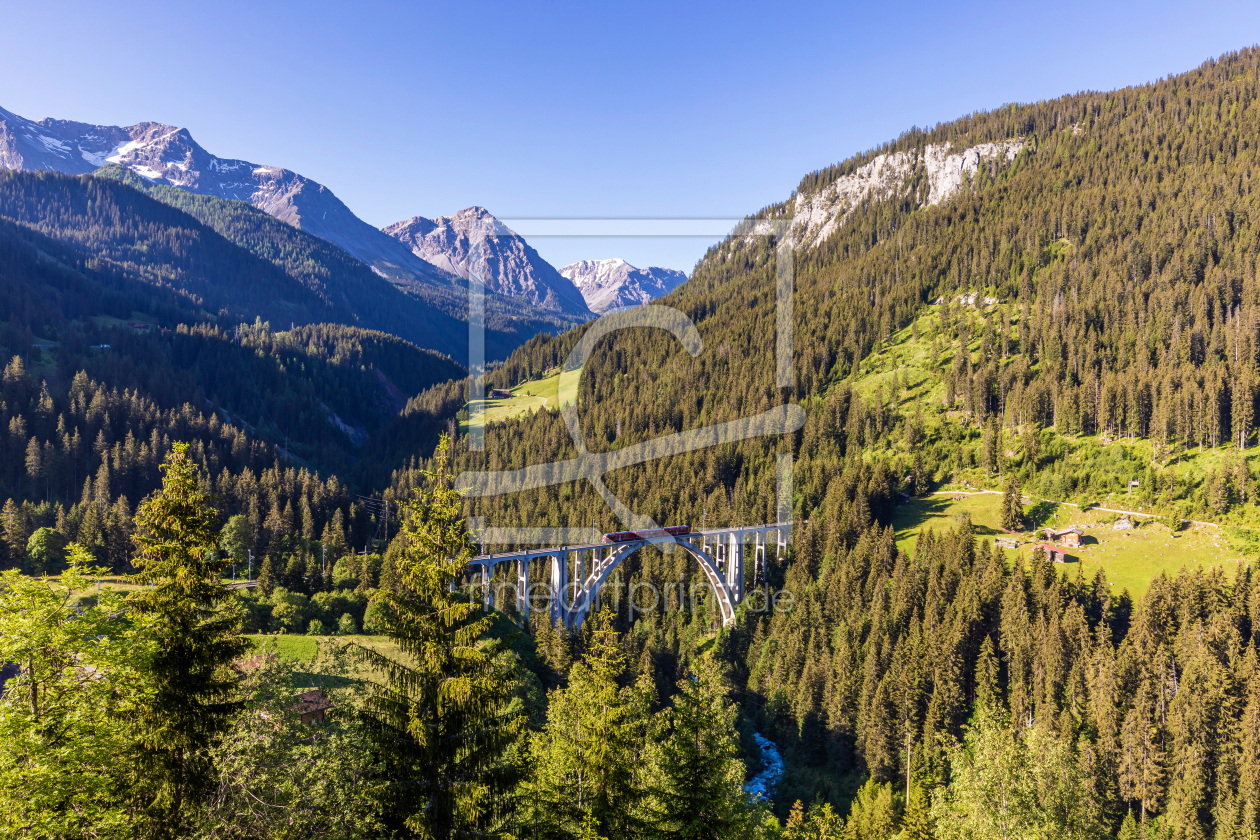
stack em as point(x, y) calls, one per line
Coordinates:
point(379, 510)
point(251, 564)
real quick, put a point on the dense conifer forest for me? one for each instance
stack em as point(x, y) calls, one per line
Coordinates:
point(943, 688)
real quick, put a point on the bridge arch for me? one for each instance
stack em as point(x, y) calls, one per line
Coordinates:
point(577, 612)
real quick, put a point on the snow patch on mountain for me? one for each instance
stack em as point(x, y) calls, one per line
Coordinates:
point(610, 285)
point(166, 154)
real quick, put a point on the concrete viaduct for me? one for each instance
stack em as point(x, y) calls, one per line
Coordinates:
point(576, 572)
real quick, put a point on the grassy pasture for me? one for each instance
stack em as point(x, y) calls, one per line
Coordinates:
point(289, 648)
point(299, 648)
point(526, 398)
point(1131, 559)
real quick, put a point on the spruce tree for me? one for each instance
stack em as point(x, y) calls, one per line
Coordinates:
point(267, 577)
point(1012, 511)
point(1129, 828)
point(295, 575)
point(699, 777)
point(440, 724)
point(917, 822)
point(190, 697)
point(589, 757)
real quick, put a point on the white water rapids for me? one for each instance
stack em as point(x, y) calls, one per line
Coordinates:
point(772, 769)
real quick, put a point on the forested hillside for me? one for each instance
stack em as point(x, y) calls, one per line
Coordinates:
point(1100, 290)
point(124, 230)
point(424, 314)
point(107, 371)
point(1119, 250)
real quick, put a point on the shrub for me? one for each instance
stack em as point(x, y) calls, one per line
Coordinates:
point(45, 551)
point(347, 626)
point(286, 617)
point(329, 606)
point(374, 619)
point(345, 573)
point(315, 628)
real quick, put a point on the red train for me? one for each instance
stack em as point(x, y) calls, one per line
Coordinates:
point(627, 536)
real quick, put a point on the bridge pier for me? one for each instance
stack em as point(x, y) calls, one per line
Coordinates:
point(522, 587)
point(735, 566)
point(559, 583)
point(487, 583)
point(759, 558)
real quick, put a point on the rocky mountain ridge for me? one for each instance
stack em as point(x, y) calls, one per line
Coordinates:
point(609, 285)
point(429, 257)
point(164, 154)
point(936, 172)
point(474, 241)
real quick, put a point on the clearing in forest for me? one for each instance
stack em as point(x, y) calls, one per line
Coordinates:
point(1130, 558)
point(526, 398)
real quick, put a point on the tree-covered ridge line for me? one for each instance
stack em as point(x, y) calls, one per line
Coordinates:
point(428, 315)
point(224, 262)
point(160, 245)
point(1040, 118)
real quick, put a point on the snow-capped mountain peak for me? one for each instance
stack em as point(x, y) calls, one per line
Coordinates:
point(166, 154)
point(612, 284)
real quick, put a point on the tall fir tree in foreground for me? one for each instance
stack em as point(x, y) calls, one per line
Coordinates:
point(440, 724)
point(589, 763)
point(699, 785)
point(191, 701)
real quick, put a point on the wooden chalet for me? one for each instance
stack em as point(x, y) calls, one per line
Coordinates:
point(500, 393)
point(1067, 538)
point(1006, 542)
point(313, 705)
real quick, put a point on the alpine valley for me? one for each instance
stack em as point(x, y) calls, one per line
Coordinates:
point(1018, 598)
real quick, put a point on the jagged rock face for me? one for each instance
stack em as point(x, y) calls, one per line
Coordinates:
point(817, 215)
point(609, 285)
point(474, 241)
point(57, 145)
point(168, 155)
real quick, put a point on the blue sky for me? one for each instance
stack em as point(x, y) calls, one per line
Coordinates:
point(578, 110)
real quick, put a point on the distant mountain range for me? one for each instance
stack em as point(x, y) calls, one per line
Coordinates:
point(609, 285)
point(430, 259)
point(164, 154)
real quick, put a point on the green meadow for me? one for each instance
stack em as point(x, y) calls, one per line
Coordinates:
point(1130, 559)
point(526, 398)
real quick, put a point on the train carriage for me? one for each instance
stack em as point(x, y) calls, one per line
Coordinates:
point(629, 536)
